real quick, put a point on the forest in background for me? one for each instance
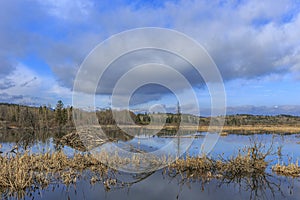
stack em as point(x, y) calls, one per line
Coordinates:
point(13, 116)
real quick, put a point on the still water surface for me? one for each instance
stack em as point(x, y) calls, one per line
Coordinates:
point(159, 185)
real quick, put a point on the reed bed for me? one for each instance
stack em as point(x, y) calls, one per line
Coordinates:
point(22, 171)
point(247, 162)
point(292, 169)
point(256, 129)
point(193, 167)
point(207, 168)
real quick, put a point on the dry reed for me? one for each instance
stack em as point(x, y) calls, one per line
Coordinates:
point(21, 171)
point(292, 169)
point(251, 160)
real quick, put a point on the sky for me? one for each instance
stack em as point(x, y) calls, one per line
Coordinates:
point(255, 45)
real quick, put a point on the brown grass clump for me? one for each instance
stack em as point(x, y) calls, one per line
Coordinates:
point(193, 167)
point(22, 171)
point(201, 164)
point(292, 169)
point(243, 165)
point(15, 173)
point(248, 162)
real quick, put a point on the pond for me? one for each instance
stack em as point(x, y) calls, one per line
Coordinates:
point(166, 185)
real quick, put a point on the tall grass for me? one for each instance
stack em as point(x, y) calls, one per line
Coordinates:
point(21, 171)
point(291, 169)
point(251, 160)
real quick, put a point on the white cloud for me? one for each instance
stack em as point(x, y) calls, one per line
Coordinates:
point(71, 10)
point(247, 39)
point(28, 87)
point(261, 10)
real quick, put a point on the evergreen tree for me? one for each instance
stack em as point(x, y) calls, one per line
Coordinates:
point(60, 113)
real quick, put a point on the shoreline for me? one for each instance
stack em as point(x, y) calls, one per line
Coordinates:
point(242, 129)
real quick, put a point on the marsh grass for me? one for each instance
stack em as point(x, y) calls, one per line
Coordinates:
point(22, 171)
point(195, 168)
point(248, 162)
point(247, 169)
point(292, 169)
point(257, 129)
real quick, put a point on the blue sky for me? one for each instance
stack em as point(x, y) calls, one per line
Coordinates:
point(255, 44)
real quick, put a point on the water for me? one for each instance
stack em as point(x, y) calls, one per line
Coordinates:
point(159, 185)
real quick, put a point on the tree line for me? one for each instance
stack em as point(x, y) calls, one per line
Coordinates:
point(37, 118)
point(61, 117)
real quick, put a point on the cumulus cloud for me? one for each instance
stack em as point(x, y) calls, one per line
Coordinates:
point(4, 97)
point(6, 84)
point(25, 86)
point(12, 44)
point(70, 10)
point(246, 39)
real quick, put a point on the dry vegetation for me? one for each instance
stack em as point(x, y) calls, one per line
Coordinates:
point(292, 169)
point(195, 168)
point(23, 171)
point(20, 172)
point(248, 162)
point(256, 129)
